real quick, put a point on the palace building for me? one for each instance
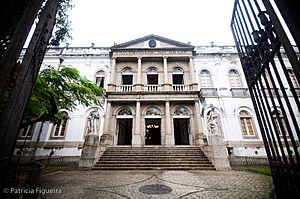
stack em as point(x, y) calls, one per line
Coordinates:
point(159, 92)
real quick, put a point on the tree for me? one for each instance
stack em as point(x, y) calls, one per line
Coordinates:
point(59, 89)
point(63, 23)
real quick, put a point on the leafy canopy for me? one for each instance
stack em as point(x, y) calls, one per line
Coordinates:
point(63, 23)
point(60, 89)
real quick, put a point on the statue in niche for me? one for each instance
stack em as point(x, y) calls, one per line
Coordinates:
point(93, 121)
point(213, 122)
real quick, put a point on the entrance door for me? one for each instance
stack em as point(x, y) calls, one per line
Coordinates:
point(124, 131)
point(181, 131)
point(152, 135)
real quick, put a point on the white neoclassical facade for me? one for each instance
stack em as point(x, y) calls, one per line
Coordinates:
point(159, 92)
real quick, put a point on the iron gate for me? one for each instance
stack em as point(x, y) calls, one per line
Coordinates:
point(272, 71)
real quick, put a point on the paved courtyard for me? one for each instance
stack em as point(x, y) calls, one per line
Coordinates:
point(157, 184)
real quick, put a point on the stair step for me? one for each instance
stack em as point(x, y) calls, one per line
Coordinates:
point(153, 158)
point(154, 168)
point(151, 162)
point(153, 165)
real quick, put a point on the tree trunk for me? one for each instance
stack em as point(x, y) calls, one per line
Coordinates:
point(13, 110)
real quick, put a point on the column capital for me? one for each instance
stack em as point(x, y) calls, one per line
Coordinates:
point(139, 57)
point(165, 57)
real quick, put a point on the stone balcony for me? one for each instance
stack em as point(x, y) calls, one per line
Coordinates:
point(239, 92)
point(152, 88)
point(209, 92)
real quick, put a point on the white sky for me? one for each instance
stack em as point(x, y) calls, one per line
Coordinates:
point(105, 22)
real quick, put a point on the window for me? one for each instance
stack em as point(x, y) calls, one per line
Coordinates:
point(152, 111)
point(246, 124)
point(205, 79)
point(277, 125)
point(234, 78)
point(27, 131)
point(177, 75)
point(127, 76)
point(100, 76)
point(181, 111)
point(152, 75)
point(124, 111)
point(293, 78)
point(59, 129)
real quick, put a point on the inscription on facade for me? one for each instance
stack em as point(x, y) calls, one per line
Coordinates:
point(151, 52)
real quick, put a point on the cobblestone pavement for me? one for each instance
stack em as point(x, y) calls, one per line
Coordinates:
point(158, 184)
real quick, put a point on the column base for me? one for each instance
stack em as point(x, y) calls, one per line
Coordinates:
point(106, 139)
point(199, 139)
point(167, 87)
point(136, 140)
point(111, 88)
point(138, 87)
point(194, 86)
point(170, 140)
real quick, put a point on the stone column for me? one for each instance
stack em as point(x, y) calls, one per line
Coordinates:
point(107, 137)
point(166, 84)
point(136, 137)
point(170, 139)
point(138, 86)
point(199, 128)
point(193, 82)
point(112, 84)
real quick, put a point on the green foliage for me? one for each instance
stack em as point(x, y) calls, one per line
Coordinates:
point(259, 169)
point(63, 24)
point(53, 169)
point(60, 89)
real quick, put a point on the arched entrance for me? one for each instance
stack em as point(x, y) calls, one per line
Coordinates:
point(153, 126)
point(124, 126)
point(181, 121)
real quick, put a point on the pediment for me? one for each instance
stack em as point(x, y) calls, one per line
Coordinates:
point(152, 42)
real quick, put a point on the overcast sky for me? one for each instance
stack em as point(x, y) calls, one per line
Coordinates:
point(105, 22)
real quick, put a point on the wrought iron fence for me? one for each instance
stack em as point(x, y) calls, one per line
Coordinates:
point(268, 58)
point(24, 176)
point(241, 161)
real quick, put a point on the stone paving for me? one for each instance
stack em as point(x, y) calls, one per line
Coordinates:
point(158, 184)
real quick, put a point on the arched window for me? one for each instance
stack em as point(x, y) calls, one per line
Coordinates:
point(205, 79)
point(100, 77)
point(177, 75)
point(59, 129)
point(124, 111)
point(152, 111)
point(277, 125)
point(93, 122)
point(293, 78)
point(181, 111)
point(246, 124)
point(127, 76)
point(27, 131)
point(234, 78)
point(152, 75)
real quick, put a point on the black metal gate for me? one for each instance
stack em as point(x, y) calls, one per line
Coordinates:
point(272, 71)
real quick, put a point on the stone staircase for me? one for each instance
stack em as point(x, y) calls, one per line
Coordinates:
point(153, 158)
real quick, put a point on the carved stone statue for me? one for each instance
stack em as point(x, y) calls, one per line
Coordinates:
point(214, 122)
point(93, 123)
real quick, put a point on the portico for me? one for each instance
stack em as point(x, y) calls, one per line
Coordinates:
point(153, 79)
